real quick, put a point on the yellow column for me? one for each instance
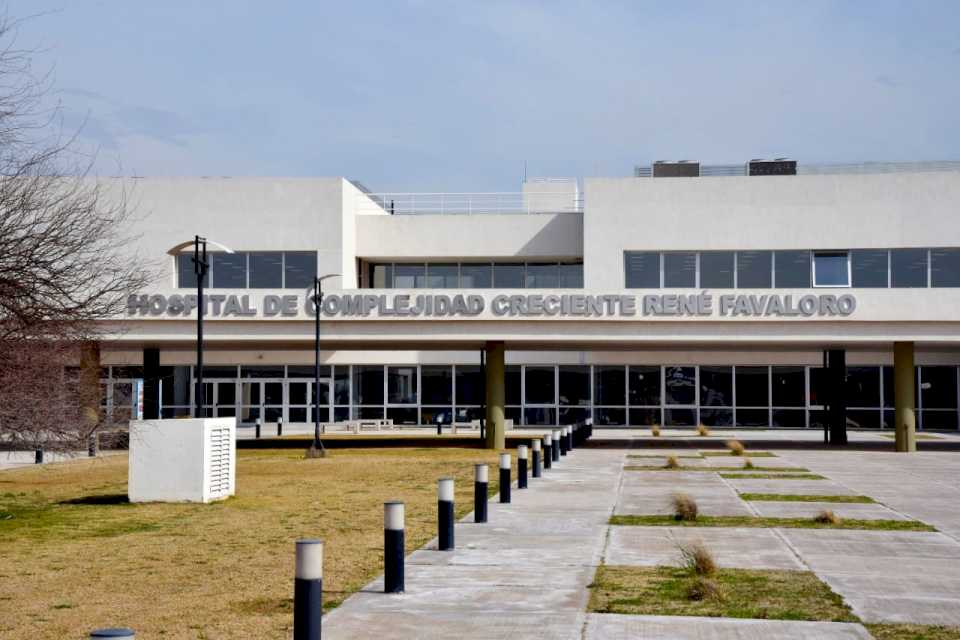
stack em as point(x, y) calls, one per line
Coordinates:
point(904, 397)
point(89, 388)
point(496, 396)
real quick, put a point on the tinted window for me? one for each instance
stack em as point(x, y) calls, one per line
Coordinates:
point(368, 385)
point(469, 385)
point(869, 267)
point(681, 385)
point(716, 270)
point(543, 276)
point(571, 276)
point(792, 269)
point(574, 385)
point(753, 269)
point(443, 276)
point(644, 385)
point(229, 270)
point(539, 385)
point(402, 385)
point(476, 276)
point(409, 276)
point(789, 387)
point(863, 386)
point(752, 387)
point(945, 267)
point(437, 384)
point(641, 269)
point(508, 276)
point(266, 270)
point(382, 276)
point(830, 269)
point(938, 387)
point(300, 270)
point(908, 268)
point(716, 386)
point(680, 269)
point(186, 275)
point(609, 385)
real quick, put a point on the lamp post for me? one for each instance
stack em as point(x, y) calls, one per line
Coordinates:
point(317, 299)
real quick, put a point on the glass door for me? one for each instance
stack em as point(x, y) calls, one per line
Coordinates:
point(261, 399)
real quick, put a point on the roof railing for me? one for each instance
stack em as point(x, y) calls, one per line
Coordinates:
point(469, 203)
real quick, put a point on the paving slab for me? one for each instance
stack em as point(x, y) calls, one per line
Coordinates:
point(791, 487)
point(649, 493)
point(851, 511)
point(605, 626)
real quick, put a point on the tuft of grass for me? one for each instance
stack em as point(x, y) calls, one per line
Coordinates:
point(787, 497)
point(770, 476)
point(684, 507)
point(746, 593)
point(768, 522)
point(827, 516)
point(702, 430)
point(735, 447)
point(704, 589)
point(748, 464)
point(888, 631)
point(655, 431)
point(672, 463)
point(698, 560)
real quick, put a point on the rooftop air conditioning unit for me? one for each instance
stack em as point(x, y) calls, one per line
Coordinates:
point(676, 169)
point(775, 167)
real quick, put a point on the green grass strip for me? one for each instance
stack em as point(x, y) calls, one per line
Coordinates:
point(745, 454)
point(772, 476)
point(888, 631)
point(786, 497)
point(660, 467)
point(768, 522)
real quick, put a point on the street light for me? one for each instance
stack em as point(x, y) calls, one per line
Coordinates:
point(317, 299)
point(200, 267)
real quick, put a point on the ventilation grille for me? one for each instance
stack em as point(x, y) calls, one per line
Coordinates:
point(220, 461)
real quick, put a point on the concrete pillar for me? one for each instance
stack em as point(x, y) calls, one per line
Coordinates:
point(90, 385)
point(904, 396)
point(496, 395)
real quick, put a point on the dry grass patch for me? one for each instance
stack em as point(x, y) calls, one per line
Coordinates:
point(655, 431)
point(223, 570)
point(672, 463)
point(913, 632)
point(735, 447)
point(702, 430)
point(684, 507)
point(827, 516)
point(698, 560)
point(743, 593)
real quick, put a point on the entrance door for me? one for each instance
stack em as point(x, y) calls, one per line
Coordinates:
point(300, 401)
point(261, 399)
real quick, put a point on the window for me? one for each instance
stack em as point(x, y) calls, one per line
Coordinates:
point(401, 385)
point(543, 276)
point(299, 269)
point(752, 387)
point(470, 385)
point(716, 269)
point(641, 269)
point(437, 383)
point(443, 276)
point(539, 387)
point(792, 269)
point(229, 270)
point(716, 386)
point(908, 268)
point(754, 269)
point(409, 276)
point(789, 387)
point(945, 267)
point(681, 385)
point(644, 384)
point(680, 269)
point(382, 277)
point(186, 276)
point(831, 269)
point(368, 385)
point(508, 276)
point(571, 276)
point(609, 385)
point(869, 267)
point(863, 386)
point(266, 270)
point(511, 382)
point(574, 385)
point(476, 276)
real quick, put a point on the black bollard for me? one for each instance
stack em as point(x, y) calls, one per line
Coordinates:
point(480, 479)
point(114, 632)
point(547, 451)
point(38, 456)
point(393, 547)
point(257, 427)
point(569, 439)
point(505, 478)
point(555, 445)
point(563, 441)
point(445, 514)
point(536, 457)
point(279, 427)
point(522, 467)
point(308, 590)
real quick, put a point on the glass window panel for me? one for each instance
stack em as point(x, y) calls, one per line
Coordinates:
point(543, 276)
point(609, 416)
point(273, 393)
point(208, 372)
point(830, 269)
point(792, 269)
point(437, 382)
point(229, 270)
point(341, 384)
point(186, 276)
point(432, 415)
point(752, 418)
point(297, 392)
point(513, 413)
point(869, 267)
point(573, 415)
point(680, 417)
point(123, 394)
point(261, 371)
point(644, 385)
point(752, 387)
point(299, 269)
point(939, 419)
point(863, 386)
point(339, 414)
point(908, 268)
point(610, 385)
point(324, 395)
point(511, 384)
point(266, 270)
point(681, 385)
point(574, 385)
point(540, 385)
point(476, 276)
point(409, 276)
point(716, 417)
point(382, 276)
point(367, 384)
point(401, 385)
point(467, 414)
point(680, 269)
point(226, 411)
point(716, 270)
point(789, 418)
point(508, 276)
point(307, 371)
point(754, 269)
point(368, 413)
point(403, 415)
point(540, 415)
point(789, 387)
point(641, 269)
point(571, 276)
point(945, 267)
point(226, 393)
point(470, 385)
point(443, 276)
point(644, 417)
point(716, 386)
point(863, 419)
point(818, 391)
point(938, 387)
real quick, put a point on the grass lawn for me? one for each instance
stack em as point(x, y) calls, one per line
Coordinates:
point(787, 497)
point(757, 521)
point(912, 632)
point(745, 593)
point(77, 556)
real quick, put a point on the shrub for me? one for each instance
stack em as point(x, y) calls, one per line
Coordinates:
point(702, 430)
point(736, 447)
point(698, 560)
point(827, 517)
point(748, 464)
point(672, 463)
point(684, 507)
point(704, 589)
point(655, 431)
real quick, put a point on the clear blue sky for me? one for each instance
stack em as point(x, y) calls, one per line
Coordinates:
point(456, 96)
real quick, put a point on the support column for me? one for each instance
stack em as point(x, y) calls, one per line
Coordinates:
point(837, 381)
point(495, 395)
point(904, 397)
point(90, 386)
point(151, 383)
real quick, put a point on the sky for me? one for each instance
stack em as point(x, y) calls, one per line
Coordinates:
point(465, 96)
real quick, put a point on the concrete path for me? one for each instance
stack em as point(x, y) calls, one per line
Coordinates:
point(618, 627)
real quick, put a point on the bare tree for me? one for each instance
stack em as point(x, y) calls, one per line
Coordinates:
point(64, 260)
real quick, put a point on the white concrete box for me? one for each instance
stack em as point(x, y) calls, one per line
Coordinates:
point(182, 460)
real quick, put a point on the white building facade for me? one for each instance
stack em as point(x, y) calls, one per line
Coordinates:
point(679, 300)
